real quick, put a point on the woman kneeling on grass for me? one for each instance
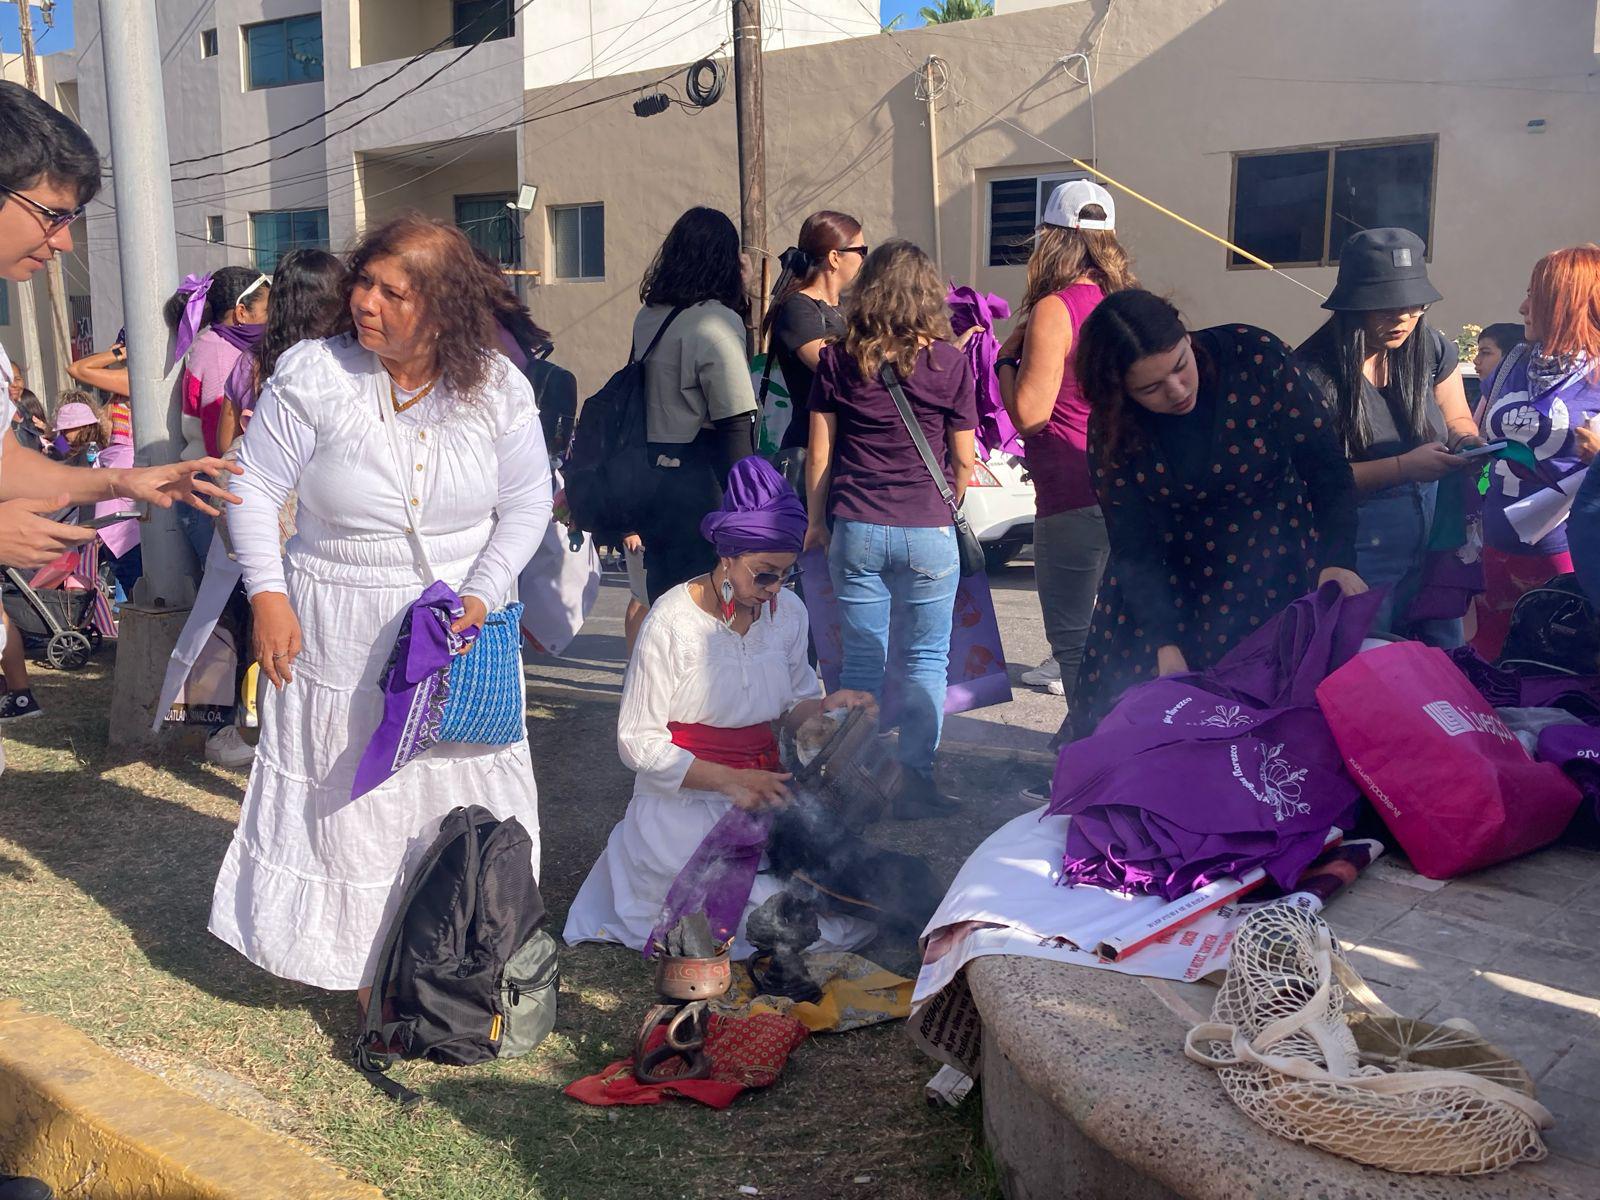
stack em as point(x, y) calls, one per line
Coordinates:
point(719, 660)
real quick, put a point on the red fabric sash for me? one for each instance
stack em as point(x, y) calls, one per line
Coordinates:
point(748, 748)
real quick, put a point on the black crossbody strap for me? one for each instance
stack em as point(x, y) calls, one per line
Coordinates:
point(660, 333)
point(892, 381)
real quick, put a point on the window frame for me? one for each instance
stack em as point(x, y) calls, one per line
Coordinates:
point(1041, 196)
point(550, 230)
point(210, 43)
point(507, 212)
point(1330, 254)
point(5, 303)
point(255, 245)
point(250, 85)
point(510, 31)
point(216, 229)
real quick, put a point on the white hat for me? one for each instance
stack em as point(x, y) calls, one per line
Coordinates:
point(1072, 197)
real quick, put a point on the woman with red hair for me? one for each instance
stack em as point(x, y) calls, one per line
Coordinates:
point(1546, 394)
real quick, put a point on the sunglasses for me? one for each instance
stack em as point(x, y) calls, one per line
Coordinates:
point(1416, 310)
point(771, 579)
point(861, 250)
point(56, 219)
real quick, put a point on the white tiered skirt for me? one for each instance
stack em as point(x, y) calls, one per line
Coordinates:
point(311, 878)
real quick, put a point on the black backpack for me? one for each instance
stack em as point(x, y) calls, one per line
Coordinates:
point(610, 485)
point(1553, 631)
point(466, 973)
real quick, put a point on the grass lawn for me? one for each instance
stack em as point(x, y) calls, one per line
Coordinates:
point(106, 869)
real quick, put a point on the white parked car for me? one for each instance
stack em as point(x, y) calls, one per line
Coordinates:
point(999, 507)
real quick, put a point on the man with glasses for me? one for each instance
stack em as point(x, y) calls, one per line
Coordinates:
point(49, 170)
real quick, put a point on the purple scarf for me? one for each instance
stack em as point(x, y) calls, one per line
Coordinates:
point(760, 513)
point(718, 876)
point(415, 686)
point(971, 308)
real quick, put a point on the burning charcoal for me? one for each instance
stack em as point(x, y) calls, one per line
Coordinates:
point(691, 938)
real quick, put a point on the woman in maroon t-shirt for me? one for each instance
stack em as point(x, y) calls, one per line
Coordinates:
point(1076, 261)
point(891, 548)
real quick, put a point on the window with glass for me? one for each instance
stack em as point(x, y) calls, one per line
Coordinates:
point(214, 233)
point(578, 241)
point(491, 226)
point(481, 21)
point(5, 303)
point(1296, 208)
point(274, 234)
point(1016, 206)
point(279, 53)
point(208, 43)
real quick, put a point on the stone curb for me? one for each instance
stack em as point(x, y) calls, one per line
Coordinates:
point(88, 1123)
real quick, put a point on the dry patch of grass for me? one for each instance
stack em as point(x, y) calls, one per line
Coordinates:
point(106, 870)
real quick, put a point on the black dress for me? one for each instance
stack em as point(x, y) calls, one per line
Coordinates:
point(1218, 519)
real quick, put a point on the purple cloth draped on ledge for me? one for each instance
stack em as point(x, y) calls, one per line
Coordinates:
point(1192, 778)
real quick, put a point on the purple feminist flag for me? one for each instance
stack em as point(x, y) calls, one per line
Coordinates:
point(415, 684)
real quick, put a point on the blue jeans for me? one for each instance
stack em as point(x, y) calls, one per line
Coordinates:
point(1392, 528)
point(197, 531)
point(897, 587)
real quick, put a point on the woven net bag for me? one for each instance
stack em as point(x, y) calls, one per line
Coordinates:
point(1307, 1050)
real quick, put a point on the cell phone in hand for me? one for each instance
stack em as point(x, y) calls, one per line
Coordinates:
point(1479, 451)
point(108, 519)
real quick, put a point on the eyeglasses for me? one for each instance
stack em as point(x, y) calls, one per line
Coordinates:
point(861, 250)
point(771, 579)
point(56, 219)
point(1416, 310)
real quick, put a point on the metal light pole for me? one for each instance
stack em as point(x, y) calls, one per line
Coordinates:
point(148, 253)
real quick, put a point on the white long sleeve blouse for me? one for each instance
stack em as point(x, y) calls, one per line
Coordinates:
point(317, 431)
point(688, 667)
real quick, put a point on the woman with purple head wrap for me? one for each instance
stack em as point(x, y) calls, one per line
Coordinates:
point(719, 662)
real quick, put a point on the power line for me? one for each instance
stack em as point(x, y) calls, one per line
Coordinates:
point(327, 137)
point(329, 173)
point(367, 91)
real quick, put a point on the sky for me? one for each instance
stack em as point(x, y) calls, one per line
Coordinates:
point(47, 41)
point(62, 37)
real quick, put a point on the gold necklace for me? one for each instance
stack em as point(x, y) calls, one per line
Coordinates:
point(394, 395)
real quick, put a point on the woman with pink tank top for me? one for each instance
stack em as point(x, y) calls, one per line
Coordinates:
point(1076, 261)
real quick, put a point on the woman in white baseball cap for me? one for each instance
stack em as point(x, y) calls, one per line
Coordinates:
point(1076, 261)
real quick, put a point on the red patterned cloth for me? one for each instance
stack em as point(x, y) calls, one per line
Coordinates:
point(746, 1052)
point(1506, 577)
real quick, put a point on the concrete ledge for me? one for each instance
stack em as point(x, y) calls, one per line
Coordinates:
point(90, 1124)
point(1088, 1096)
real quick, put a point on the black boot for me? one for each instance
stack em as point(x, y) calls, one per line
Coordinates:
point(24, 1187)
point(919, 798)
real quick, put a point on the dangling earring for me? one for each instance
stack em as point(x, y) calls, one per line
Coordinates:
point(727, 601)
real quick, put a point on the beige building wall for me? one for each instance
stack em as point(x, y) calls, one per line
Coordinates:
point(1179, 87)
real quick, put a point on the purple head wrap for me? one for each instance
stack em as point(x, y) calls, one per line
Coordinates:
point(759, 512)
point(194, 290)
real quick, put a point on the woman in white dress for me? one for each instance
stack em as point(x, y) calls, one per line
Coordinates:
point(719, 660)
point(310, 879)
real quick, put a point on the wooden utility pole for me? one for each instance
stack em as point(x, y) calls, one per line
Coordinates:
point(752, 141)
point(53, 277)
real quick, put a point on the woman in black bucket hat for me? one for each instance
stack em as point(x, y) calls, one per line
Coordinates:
point(1393, 385)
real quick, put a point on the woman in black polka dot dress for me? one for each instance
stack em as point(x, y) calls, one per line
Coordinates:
point(1226, 493)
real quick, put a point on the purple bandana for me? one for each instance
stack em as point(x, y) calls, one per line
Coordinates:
point(718, 876)
point(759, 513)
point(415, 687)
point(194, 290)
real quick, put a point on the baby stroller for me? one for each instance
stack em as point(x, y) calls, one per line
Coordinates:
point(62, 612)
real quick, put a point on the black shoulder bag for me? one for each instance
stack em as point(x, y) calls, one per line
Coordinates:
point(967, 544)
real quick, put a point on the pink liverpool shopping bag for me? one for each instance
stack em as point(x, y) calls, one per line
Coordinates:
point(1450, 780)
